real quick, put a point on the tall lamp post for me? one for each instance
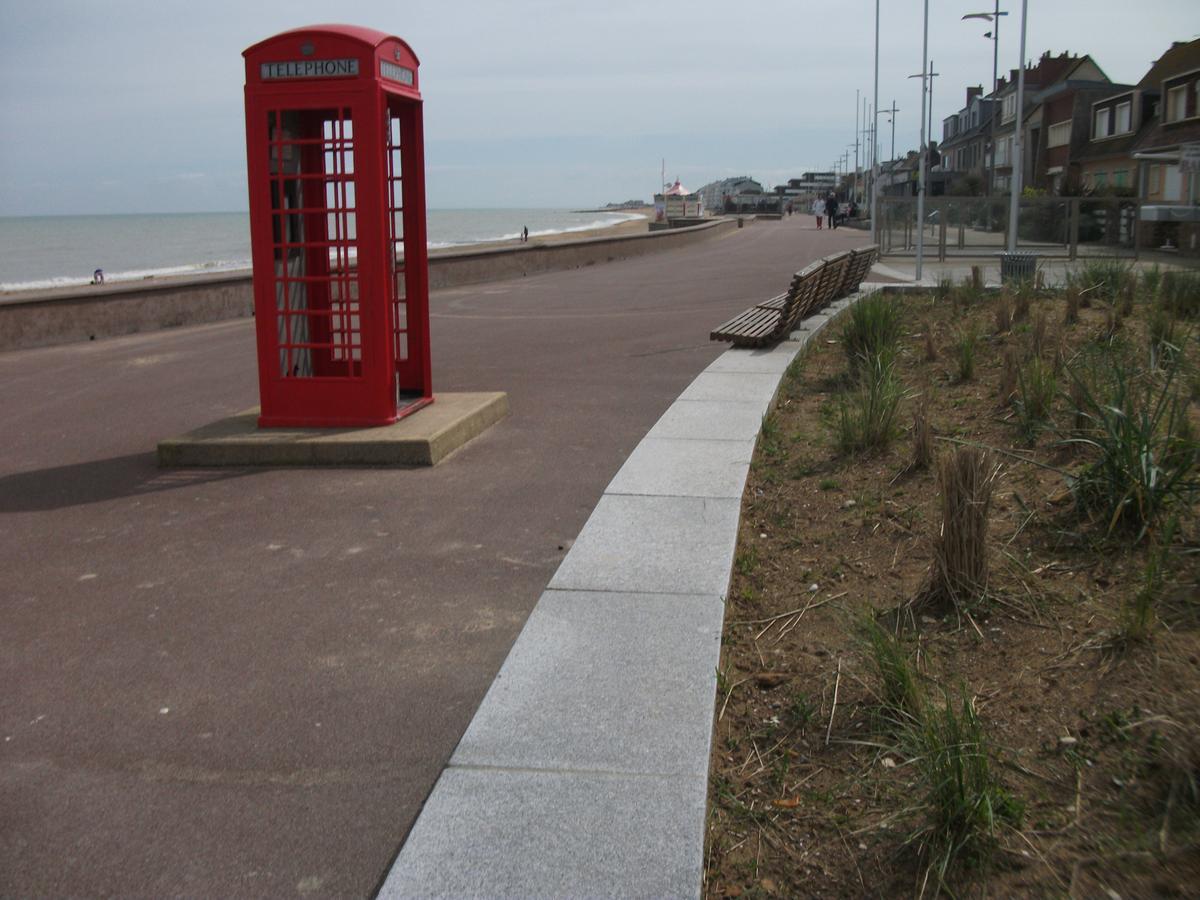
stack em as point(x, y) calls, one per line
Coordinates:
point(874, 138)
point(924, 149)
point(1018, 142)
point(857, 94)
point(994, 34)
point(891, 113)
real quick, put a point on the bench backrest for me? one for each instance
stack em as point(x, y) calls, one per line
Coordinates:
point(801, 294)
point(834, 276)
point(860, 265)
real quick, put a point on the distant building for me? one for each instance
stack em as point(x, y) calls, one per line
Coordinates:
point(742, 191)
point(966, 137)
point(1042, 81)
point(807, 187)
point(677, 202)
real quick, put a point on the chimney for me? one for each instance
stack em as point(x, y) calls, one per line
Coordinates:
point(973, 92)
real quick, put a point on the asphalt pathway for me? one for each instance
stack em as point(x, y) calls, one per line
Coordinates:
point(245, 683)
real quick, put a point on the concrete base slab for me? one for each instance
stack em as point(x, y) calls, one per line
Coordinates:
point(421, 439)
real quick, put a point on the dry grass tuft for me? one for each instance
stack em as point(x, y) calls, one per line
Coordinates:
point(931, 353)
point(1008, 377)
point(960, 569)
point(1038, 339)
point(923, 453)
point(1003, 314)
point(1073, 303)
point(1021, 303)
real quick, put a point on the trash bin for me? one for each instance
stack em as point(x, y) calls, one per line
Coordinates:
point(1016, 267)
point(740, 222)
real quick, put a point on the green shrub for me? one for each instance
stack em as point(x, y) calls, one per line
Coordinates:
point(1180, 294)
point(965, 348)
point(872, 329)
point(1102, 279)
point(1149, 283)
point(1134, 426)
point(866, 418)
point(901, 697)
point(963, 803)
point(1036, 387)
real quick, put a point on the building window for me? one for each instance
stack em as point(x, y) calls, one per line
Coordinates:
point(1059, 135)
point(1123, 118)
point(1100, 123)
point(1121, 177)
point(1010, 108)
point(1100, 179)
point(1155, 185)
point(1177, 104)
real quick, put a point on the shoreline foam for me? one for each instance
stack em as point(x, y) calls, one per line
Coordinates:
point(11, 290)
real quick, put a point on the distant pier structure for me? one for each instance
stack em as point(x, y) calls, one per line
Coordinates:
point(677, 206)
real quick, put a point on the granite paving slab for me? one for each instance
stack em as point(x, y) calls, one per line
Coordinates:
point(604, 682)
point(709, 420)
point(680, 468)
point(499, 833)
point(755, 388)
point(773, 361)
point(660, 545)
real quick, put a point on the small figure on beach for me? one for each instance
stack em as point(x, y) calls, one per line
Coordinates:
point(525, 235)
point(831, 210)
point(818, 210)
point(98, 277)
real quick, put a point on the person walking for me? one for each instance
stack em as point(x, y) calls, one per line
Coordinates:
point(831, 209)
point(818, 210)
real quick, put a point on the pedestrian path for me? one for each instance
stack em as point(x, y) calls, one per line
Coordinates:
point(584, 771)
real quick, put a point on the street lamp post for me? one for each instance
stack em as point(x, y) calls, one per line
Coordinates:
point(994, 34)
point(857, 93)
point(874, 137)
point(924, 147)
point(891, 113)
point(1018, 142)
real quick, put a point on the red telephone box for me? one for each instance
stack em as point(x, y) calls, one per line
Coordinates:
point(335, 162)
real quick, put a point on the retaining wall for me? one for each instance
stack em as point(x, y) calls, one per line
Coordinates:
point(66, 315)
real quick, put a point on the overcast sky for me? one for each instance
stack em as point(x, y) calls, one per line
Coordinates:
point(123, 106)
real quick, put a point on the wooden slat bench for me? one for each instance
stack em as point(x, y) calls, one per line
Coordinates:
point(772, 320)
point(860, 264)
point(812, 289)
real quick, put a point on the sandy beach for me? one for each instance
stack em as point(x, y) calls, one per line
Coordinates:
point(633, 226)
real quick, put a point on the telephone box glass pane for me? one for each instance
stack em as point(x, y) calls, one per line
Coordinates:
point(315, 243)
point(399, 291)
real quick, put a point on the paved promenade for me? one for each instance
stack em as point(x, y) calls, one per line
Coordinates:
point(245, 683)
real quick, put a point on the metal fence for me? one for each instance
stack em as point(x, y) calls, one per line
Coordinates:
point(1062, 227)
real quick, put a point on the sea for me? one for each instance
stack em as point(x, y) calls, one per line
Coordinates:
point(61, 251)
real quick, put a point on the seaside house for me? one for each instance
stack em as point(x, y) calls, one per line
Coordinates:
point(1117, 122)
point(964, 148)
point(1059, 126)
point(1171, 193)
point(1048, 71)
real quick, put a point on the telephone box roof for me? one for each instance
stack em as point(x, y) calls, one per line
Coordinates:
point(367, 36)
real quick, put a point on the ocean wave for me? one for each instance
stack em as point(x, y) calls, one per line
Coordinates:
point(126, 276)
point(595, 225)
point(63, 281)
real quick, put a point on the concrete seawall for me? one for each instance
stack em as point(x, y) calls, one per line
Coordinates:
point(67, 315)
